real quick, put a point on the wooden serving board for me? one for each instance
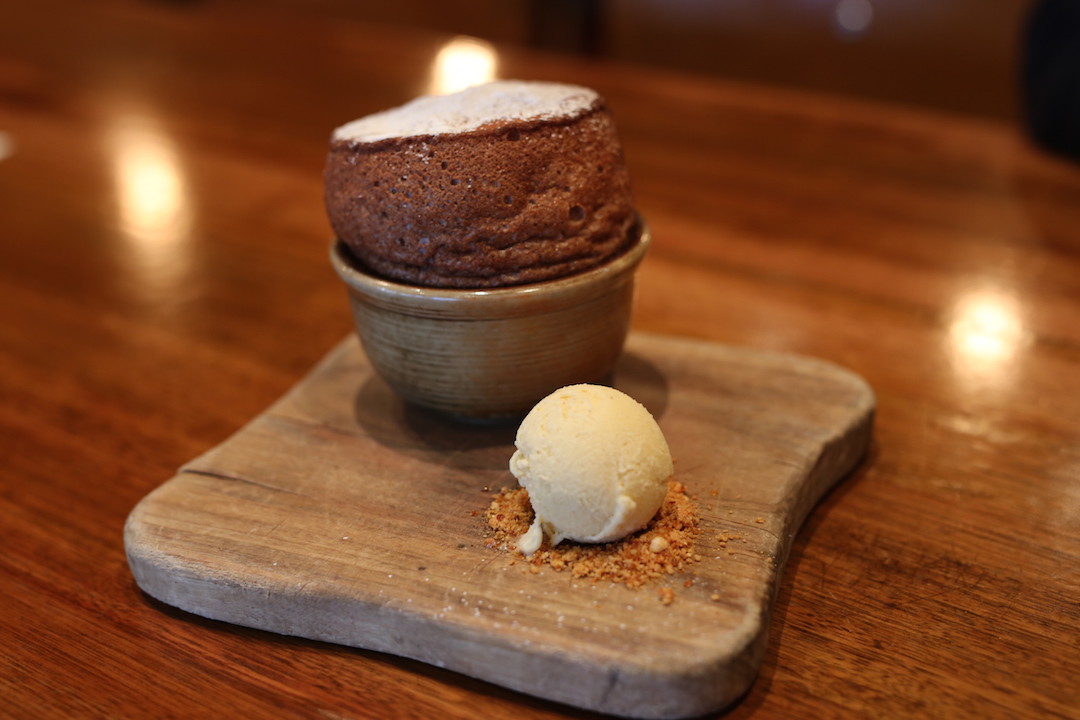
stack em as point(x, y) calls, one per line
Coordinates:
point(342, 515)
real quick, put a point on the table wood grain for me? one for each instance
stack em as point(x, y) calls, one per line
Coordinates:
point(163, 279)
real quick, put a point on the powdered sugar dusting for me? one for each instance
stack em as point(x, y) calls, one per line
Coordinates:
point(469, 109)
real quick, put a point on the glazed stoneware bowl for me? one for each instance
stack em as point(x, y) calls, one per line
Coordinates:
point(490, 355)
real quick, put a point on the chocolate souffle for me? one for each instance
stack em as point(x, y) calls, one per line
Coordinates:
point(498, 185)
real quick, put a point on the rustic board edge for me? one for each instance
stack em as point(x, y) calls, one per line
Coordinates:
point(706, 685)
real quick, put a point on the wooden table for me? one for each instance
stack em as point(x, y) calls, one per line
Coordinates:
point(163, 279)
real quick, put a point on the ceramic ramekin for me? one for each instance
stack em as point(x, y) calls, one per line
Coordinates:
point(490, 355)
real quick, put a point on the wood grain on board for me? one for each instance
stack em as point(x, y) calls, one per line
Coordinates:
point(343, 515)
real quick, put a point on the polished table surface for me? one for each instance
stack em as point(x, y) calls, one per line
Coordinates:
point(163, 279)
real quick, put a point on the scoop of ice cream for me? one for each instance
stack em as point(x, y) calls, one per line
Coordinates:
point(595, 464)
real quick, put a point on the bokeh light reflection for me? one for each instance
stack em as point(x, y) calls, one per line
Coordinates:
point(153, 202)
point(986, 334)
point(461, 63)
point(853, 17)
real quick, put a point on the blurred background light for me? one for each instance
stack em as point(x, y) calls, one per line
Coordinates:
point(461, 63)
point(986, 333)
point(153, 201)
point(853, 17)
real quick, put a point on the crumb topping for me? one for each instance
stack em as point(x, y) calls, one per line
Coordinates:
point(661, 549)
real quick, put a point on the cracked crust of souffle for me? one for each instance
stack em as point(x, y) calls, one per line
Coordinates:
point(509, 203)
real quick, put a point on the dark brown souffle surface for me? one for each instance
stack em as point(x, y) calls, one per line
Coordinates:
point(512, 202)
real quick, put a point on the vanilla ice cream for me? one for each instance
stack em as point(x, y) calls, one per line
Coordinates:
point(595, 464)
